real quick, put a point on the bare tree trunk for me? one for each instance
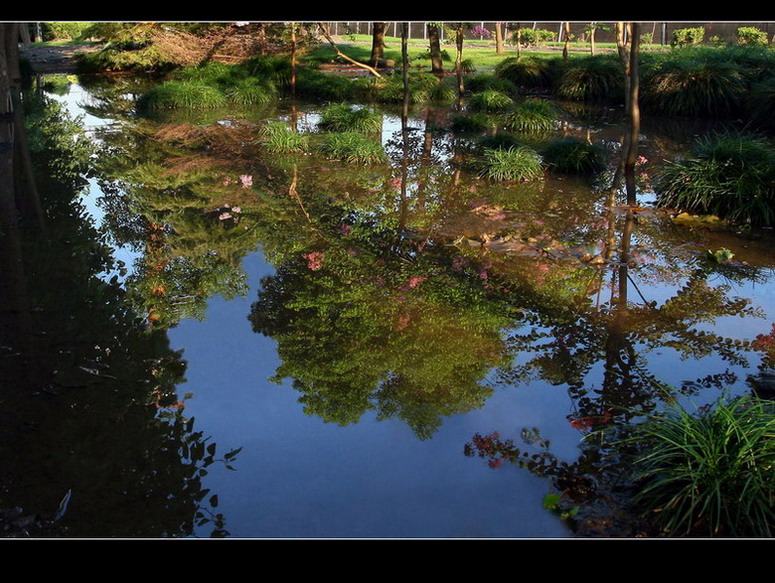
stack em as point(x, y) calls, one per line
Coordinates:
point(566, 47)
point(437, 67)
point(592, 38)
point(459, 59)
point(633, 113)
point(293, 60)
point(377, 43)
point(519, 41)
point(499, 38)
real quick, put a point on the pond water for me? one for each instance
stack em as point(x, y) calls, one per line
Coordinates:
point(338, 350)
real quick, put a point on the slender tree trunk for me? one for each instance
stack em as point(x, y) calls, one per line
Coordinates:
point(459, 59)
point(519, 41)
point(633, 114)
point(566, 47)
point(592, 38)
point(437, 67)
point(293, 60)
point(499, 38)
point(377, 43)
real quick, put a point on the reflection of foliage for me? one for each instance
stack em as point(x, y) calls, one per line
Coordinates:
point(380, 326)
point(96, 389)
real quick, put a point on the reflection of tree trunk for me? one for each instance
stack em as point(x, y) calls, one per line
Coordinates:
point(26, 191)
point(404, 125)
point(437, 67)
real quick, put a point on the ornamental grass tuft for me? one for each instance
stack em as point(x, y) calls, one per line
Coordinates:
point(514, 164)
point(731, 175)
point(711, 473)
point(353, 148)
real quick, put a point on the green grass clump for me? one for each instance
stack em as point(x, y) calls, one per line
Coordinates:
point(531, 115)
point(278, 138)
point(353, 148)
point(695, 88)
point(597, 78)
point(514, 164)
point(182, 95)
point(250, 91)
point(484, 81)
point(731, 175)
point(490, 100)
point(529, 72)
point(574, 156)
point(471, 123)
point(318, 85)
point(343, 117)
point(711, 473)
point(760, 103)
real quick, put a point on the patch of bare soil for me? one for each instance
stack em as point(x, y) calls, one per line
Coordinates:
point(54, 58)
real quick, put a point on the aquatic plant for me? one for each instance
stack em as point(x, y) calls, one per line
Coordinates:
point(522, 163)
point(731, 175)
point(574, 156)
point(530, 115)
point(343, 117)
point(710, 473)
point(353, 147)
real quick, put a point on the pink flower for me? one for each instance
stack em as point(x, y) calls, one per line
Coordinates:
point(246, 180)
point(224, 216)
point(315, 260)
point(345, 229)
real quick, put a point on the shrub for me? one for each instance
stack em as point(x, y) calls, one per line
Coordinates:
point(490, 100)
point(353, 147)
point(342, 117)
point(64, 30)
point(574, 156)
point(731, 175)
point(531, 115)
point(683, 37)
point(533, 37)
point(711, 473)
point(750, 35)
point(514, 164)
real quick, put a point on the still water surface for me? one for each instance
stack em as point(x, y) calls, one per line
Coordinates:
point(489, 313)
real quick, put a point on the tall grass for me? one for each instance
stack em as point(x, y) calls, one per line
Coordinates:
point(597, 78)
point(278, 138)
point(711, 473)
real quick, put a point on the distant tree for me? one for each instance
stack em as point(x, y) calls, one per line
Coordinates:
point(434, 34)
point(377, 43)
point(499, 38)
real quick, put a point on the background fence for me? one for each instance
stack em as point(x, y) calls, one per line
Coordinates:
point(662, 31)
